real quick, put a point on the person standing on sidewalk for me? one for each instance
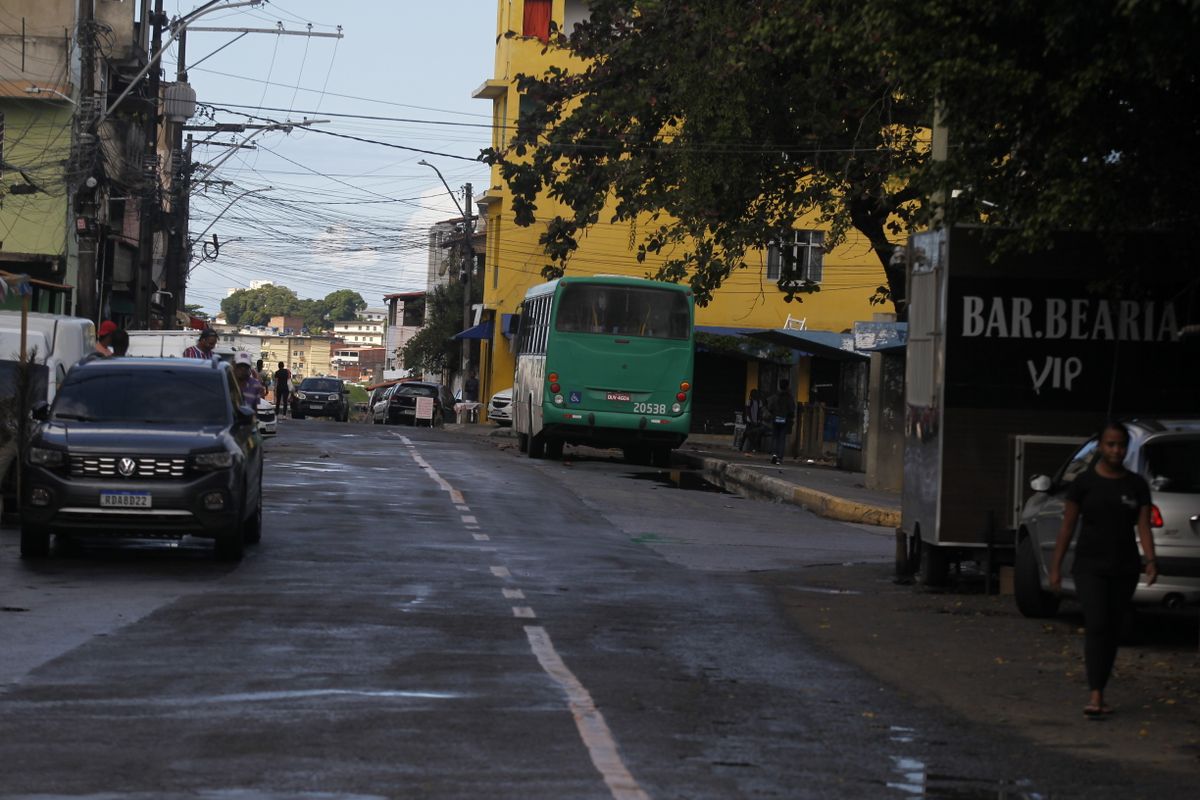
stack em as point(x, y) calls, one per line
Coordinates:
point(1112, 502)
point(755, 428)
point(781, 408)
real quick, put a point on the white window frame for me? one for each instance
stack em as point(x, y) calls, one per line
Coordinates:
point(806, 252)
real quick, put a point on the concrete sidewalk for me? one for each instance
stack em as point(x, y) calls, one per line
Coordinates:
point(822, 489)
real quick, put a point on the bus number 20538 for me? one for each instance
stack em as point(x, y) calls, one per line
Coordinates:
point(649, 408)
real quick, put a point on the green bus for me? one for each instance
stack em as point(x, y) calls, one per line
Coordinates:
point(604, 361)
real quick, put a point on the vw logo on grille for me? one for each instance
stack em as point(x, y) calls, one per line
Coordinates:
point(126, 466)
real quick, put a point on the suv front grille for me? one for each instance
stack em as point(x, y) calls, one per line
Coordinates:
point(144, 467)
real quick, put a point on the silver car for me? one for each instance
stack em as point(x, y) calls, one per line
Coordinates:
point(500, 408)
point(1167, 454)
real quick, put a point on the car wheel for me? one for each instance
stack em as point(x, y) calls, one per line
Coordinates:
point(554, 449)
point(1032, 600)
point(35, 541)
point(297, 415)
point(523, 442)
point(230, 545)
point(253, 524)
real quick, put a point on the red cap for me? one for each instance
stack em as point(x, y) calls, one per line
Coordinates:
point(106, 327)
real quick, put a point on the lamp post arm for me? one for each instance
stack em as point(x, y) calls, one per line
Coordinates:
point(177, 27)
point(457, 205)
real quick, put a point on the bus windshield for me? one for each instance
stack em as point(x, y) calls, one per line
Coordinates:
point(624, 311)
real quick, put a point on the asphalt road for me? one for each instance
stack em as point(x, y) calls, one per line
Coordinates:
point(430, 616)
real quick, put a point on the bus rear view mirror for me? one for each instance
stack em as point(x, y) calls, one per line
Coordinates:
point(1040, 483)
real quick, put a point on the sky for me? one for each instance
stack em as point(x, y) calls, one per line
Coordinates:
point(318, 212)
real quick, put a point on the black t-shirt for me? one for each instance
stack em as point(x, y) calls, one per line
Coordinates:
point(282, 378)
point(1109, 508)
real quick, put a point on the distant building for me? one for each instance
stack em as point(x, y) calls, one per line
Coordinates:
point(305, 356)
point(287, 325)
point(405, 316)
point(362, 331)
point(358, 364)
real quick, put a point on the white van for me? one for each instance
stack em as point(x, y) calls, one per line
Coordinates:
point(55, 341)
point(170, 344)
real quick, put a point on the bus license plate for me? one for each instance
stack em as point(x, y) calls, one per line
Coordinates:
point(622, 396)
point(125, 500)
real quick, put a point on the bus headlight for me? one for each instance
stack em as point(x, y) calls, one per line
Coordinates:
point(676, 408)
point(558, 399)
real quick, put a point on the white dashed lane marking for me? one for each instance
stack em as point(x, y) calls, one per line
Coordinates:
point(593, 730)
point(481, 537)
point(598, 739)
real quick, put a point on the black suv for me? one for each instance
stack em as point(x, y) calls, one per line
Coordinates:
point(321, 397)
point(399, 404)
point(144, 448)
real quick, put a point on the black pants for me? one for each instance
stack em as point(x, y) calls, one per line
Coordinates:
point(1105, 599)
point(281, 403)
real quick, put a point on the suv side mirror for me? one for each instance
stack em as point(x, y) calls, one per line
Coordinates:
point(41, 411)
point(1041, 483)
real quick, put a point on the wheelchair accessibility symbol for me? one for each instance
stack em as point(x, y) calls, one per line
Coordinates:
point(576, 397)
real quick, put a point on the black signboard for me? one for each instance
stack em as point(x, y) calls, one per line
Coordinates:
point(1088, 325)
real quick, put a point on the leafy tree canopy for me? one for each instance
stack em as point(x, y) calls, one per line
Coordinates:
point(433, 349)
point(257, 306)
point(727, 121)
point(344, 304)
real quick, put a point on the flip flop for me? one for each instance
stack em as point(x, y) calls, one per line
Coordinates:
point(1093, 711)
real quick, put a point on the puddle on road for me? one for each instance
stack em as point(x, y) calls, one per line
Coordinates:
point(913, 779)
point(680, 479)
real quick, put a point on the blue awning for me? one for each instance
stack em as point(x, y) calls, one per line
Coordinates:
point(481, 331)
point(824, 344)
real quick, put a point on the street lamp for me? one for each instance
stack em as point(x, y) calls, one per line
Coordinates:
point(45, 90)
point(468, 255)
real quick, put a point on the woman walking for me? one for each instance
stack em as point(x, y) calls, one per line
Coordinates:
point(1112, 502)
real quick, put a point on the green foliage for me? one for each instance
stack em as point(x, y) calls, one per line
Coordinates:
point(344, 304)
point(434, 349)
point(727, 121)
point(257, 306)
point(1061, 115)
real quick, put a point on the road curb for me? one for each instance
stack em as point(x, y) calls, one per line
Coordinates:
point(820, 503)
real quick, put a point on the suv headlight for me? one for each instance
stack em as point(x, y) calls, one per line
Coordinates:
point(46, 457)
point(219, 460)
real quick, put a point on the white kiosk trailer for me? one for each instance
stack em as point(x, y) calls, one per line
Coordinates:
point(1015, 358)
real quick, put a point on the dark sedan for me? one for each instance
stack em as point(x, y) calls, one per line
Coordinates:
point(147, 449)
point(413, 403)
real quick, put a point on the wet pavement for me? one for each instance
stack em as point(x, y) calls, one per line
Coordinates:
point(430, 617)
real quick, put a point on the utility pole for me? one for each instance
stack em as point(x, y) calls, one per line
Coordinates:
point(468, 254)
point(174, 267)
point(85, 195)
point(151, 206)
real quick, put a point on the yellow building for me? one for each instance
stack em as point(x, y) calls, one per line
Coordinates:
point(749, 299)
point(305, 356)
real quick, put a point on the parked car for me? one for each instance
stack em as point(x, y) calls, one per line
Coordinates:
point(144, 448)
point(1167, 454)
point(321, 397)
point(399, 403)
point(500, 407)
point(267, 423)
